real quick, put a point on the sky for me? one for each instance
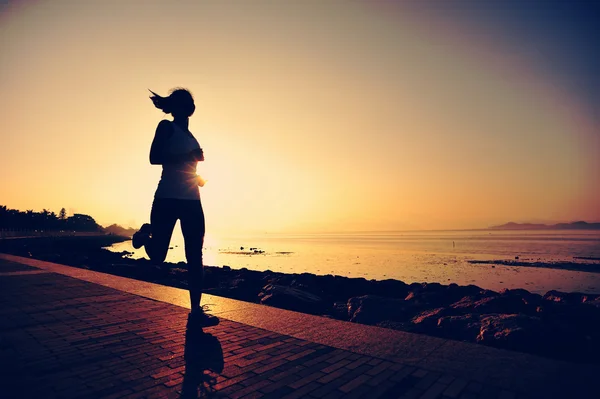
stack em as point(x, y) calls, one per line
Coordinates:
point(314, 116)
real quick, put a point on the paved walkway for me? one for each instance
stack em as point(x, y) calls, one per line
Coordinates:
point(65, 333)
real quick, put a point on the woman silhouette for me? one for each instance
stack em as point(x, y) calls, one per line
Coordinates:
point(177, 195)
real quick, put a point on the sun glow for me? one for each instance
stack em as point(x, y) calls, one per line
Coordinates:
point(369, 120)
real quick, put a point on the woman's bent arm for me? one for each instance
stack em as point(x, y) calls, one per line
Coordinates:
point(158, 153)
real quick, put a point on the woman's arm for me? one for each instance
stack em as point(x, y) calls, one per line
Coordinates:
point(158, 153)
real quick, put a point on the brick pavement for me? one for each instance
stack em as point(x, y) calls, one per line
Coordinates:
point(62, 337)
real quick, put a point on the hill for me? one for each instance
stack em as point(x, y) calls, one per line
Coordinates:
point(117, 230)
point(580, 225)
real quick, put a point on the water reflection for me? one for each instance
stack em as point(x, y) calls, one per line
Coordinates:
point(417, 257)
point(203, 362)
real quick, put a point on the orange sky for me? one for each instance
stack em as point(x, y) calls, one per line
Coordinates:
point(313, 116)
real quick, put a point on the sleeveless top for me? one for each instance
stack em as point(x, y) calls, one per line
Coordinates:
point(178, 180)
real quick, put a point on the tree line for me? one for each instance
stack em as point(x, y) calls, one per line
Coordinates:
point(46, 220)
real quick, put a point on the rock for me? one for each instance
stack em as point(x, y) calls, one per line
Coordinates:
point(512, 331)
point(529, 298)
point(456, 292)
point(292, 299)
point(391, 288)
point(211, 278)
point(464, 327)
point(503, 305)
point(507, 304)
point(284, 279)
point(422, 299)
point(436, 295)
point(579, 316)
point(242, 288)
point(569, 297)
point(340, 310)
point(428, 319)
point(464, 305)
point(307, 282)
point(540, 335)
point(595, 302)
point(338, 288)
point(372, 309)
point(574, 328)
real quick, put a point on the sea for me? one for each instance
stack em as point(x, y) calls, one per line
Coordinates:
point(413, 256)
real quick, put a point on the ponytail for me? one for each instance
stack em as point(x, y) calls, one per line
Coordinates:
point(179, 101)
point(162, 103)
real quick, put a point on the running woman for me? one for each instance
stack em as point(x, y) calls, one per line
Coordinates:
point(177, 196)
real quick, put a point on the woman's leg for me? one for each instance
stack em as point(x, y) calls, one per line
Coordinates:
point(193, 229)
point(162, 220)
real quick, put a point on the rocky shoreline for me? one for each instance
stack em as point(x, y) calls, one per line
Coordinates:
point(557, 325)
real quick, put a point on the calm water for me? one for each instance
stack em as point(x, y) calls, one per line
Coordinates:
point(412, 256)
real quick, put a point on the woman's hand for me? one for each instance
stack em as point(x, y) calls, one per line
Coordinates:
point(197, 154)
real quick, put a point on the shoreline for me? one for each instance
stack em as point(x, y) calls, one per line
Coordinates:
point(557, 325)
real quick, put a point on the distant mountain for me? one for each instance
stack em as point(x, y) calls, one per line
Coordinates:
point(119, 230)
point(581, 225)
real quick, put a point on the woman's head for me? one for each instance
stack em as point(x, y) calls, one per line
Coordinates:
point(179, 103)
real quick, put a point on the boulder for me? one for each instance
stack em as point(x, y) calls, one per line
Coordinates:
point(242, 288)
point(340, 311)
point(283, 279)
point(428, 319)
point(505, 304)
point(292, 299)
point(391, 288)
point(569, 297)
point(372, 309)
point(582, 317)
point(344, 287)
point(456, 292)
point(530, 299)
point(512, 331)
point(308, 282)
point(436, 295)
point(464, 305)
point(464, 327)
point(211, 278)
point(595, 303)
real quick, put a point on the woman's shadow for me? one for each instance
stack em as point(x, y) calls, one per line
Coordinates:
point(203, 357)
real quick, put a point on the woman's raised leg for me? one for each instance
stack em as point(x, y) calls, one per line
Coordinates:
point(162, 221)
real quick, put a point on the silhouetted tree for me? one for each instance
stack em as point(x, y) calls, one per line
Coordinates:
point(46, 220)
point(81, 222)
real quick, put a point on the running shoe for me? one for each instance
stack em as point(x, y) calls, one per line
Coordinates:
point(141, 237)
point(199, 318)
